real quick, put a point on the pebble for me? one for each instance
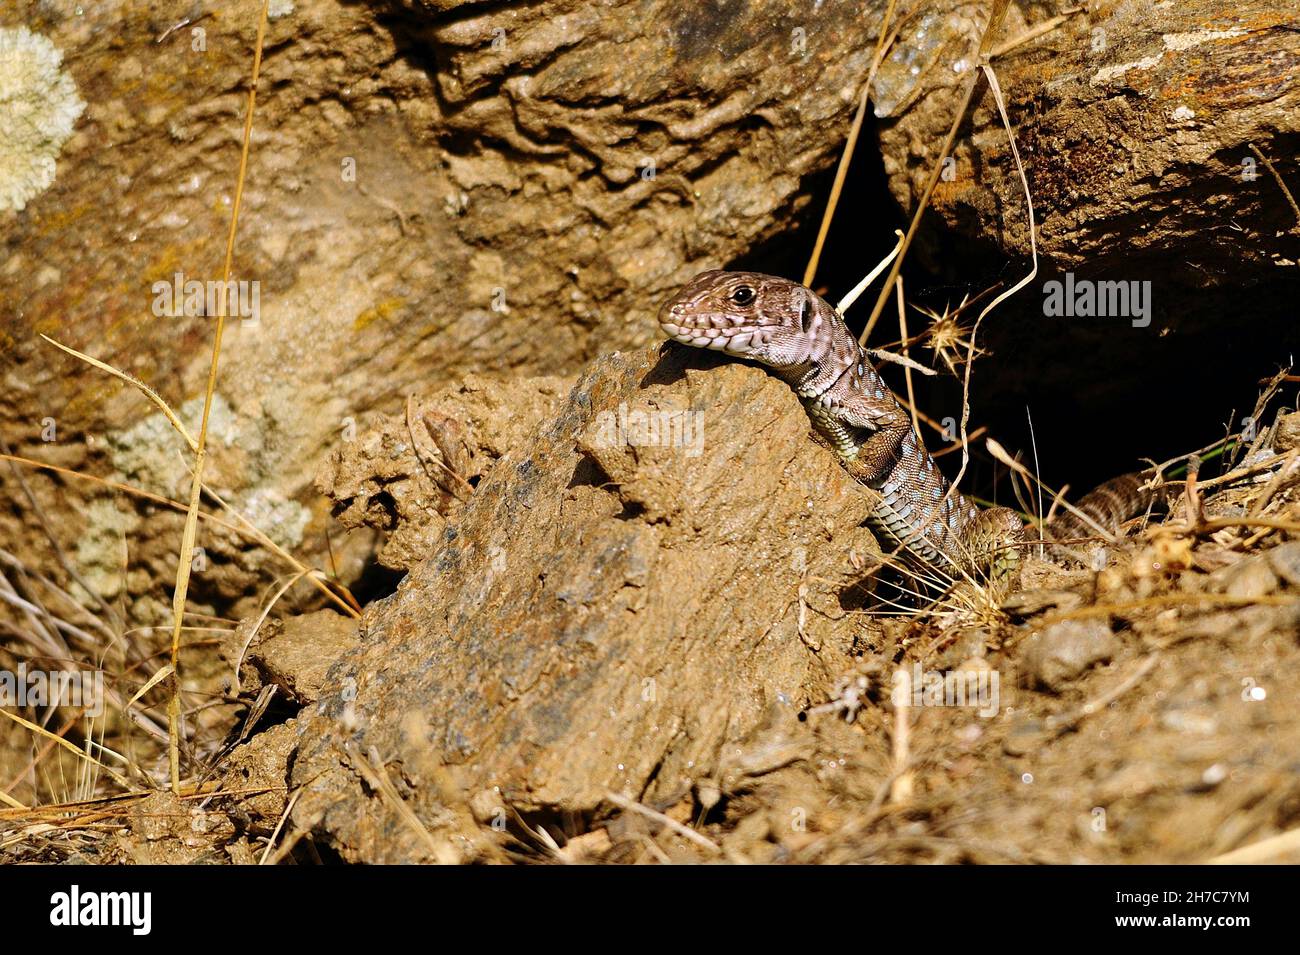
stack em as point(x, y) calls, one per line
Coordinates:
point(1285, 562)
point(1064, 650)
point(1248, 578)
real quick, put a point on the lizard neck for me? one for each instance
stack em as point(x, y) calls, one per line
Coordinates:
point(831, 352)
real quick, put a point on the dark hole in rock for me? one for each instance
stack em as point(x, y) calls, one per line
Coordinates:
point(1102, 392)
point(376, 582)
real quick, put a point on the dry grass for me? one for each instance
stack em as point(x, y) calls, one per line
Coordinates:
point(77, 788)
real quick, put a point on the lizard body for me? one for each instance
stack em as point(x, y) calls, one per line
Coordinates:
point(789, 328)
point(804, 340)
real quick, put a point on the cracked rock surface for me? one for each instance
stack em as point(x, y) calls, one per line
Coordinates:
point(644, 610)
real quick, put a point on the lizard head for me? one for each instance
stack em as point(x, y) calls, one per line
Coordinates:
point(769, 319)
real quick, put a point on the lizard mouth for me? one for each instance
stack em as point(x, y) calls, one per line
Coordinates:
point(719, 339)
point(701, 331)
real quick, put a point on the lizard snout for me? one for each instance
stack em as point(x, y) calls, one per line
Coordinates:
point(674, 318)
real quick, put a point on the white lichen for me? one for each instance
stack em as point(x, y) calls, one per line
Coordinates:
point(281, 519)
point(150, 454)
point(105, 527)
point(39, 106)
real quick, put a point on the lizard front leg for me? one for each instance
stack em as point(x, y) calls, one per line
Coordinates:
point(869, 461)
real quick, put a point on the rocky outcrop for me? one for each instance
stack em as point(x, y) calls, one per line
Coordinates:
point(624, 598)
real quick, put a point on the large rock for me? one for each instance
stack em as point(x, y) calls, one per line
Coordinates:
point(604, 614)
point(1136, 123)
point(433, 189)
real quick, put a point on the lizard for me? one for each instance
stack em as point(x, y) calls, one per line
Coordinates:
point(804, 340)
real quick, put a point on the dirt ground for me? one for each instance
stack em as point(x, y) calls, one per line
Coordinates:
point(1145, 711)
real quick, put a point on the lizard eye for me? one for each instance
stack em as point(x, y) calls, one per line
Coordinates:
point(743, 295)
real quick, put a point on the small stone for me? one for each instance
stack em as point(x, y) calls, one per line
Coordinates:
point(1057, 655)
point(1287, 435)
point(298, 657)
point(708, 793)
point(1026, 736)
point(486, 806)
point(1186, 721)
point(1285, 562)
point(1248, 578)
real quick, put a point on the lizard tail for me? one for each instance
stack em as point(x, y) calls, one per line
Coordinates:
point(1109, 505)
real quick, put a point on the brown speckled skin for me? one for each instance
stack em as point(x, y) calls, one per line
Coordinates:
point(790, 329)
point(803, 339)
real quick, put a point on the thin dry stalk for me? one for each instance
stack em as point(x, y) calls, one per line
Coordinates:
point(252, 633)
point(907, 371)
point(901, 788)
point(372, 769)
point(1281, 182)
point(847, 301)
point(270, 843)
point(1279, 848)
point(185, 561)
point(686, 832)
point(999, 9)
point(248, 531)
point(1033, 33)
point(883, 42)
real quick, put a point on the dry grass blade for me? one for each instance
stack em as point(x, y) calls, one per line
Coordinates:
point(1273, 849)
point(60, 741)
point(999, 9)
point(999, 454)
point(131, 379)
point(995, 19)
point(372, 769)
point(270, 843)
point(1168, 600)
point(1029, 200)
point(1033, 33)
point(317, 577)
point(883, 42)
point(184, 563)
point(847, 301)
point(154, 680)
point(252, 633)
point(245, 529)
point(907, 372)
point(1277, 177)
point(684, 831)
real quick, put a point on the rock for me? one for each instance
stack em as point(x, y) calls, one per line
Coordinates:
point(1287, 435)
point(1284, 560)
point(1118, 112)
point(263, 761)
point(406, 474)
point(610, 611)
point(1054, 657)
point(296, 655)
point(1247, 578)
point(1122, 114)
point(504, 187)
